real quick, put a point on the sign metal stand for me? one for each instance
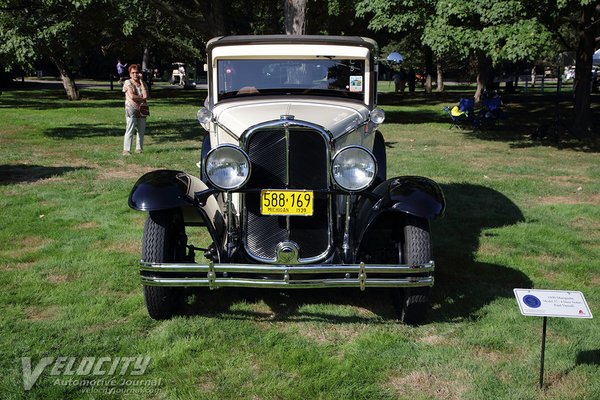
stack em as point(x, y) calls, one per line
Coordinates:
point(543, 353)
point(551, 303)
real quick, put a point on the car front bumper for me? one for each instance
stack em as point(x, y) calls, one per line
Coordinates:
point(287, 276)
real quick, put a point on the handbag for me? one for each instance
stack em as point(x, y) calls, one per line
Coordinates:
point(144, 110)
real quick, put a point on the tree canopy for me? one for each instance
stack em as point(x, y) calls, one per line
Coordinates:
point(497, 33)
point(63, 31)
point(58, 30)
point(492, 32)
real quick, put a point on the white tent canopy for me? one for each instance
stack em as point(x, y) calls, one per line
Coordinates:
point(596, 57)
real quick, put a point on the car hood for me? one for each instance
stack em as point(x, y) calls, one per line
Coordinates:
point(336, 117)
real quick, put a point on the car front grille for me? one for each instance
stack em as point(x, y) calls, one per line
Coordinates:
point(287, 157)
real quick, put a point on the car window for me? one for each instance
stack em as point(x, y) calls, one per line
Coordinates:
point(325, 76)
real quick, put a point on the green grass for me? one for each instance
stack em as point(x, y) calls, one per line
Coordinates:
point(520, 214)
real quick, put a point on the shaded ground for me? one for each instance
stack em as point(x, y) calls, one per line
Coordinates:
point(20, 173)
point(528, 119)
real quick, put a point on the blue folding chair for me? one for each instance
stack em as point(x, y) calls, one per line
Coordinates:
point(462, 115)
point(490, 113)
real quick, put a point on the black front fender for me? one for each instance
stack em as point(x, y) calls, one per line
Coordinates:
point(167, 189)
point(164, 189)
point(396, 197)
point(413, 195)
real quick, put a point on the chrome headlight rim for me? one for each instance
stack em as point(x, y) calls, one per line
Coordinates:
point(219, 148)
point(356, 188)
point(377, 116)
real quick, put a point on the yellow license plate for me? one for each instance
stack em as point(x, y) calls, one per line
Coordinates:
point(286, 202)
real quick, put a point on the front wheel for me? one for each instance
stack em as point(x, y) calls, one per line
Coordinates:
point(164, 240)
point(412, 304)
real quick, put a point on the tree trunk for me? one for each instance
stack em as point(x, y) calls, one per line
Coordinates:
point(587, 32)
point(483, 75)
point(428, 68)
point(67, 79)
point(145, 58)
point(295, 16)
point(213, 12)
point(440, 76)
point(218, 18)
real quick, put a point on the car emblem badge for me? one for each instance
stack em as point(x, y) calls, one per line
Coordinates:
point(287, 253)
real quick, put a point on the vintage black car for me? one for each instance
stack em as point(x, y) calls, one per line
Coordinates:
point(292, 186)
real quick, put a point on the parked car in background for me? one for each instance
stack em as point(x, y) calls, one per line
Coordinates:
point(292, 186)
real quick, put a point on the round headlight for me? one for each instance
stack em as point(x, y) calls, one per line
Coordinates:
point(354, 168)
point(378, 116)
point(227, 167)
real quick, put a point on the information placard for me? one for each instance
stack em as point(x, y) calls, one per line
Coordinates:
point(552, 303)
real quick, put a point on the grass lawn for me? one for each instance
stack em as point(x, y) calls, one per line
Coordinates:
point(520, 214)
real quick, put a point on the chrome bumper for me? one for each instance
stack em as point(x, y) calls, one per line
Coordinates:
point(287, 276)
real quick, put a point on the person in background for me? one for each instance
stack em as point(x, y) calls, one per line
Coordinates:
point(402, 74)
point(121, 71)
point(136, 95)
point(182, 76)
point(396, 79)
point(411, 77)
point(533, 73)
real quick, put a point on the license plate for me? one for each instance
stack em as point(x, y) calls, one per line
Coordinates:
point(286, 202)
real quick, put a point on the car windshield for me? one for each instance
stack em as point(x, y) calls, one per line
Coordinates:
point(328, 77)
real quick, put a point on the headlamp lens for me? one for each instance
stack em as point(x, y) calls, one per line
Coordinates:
point(354, 168)
point(227, 167)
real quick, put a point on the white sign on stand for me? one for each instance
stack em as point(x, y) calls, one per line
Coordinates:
point(552, 303)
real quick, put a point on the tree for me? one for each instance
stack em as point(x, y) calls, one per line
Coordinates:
point(336, 17)
point(295, 16)
point(588, 32)
point(493, 32)
point(575, 27)
point(404, 19)
point(169, 29)
point(58, 30)
point(266, 17)
point(63, 31)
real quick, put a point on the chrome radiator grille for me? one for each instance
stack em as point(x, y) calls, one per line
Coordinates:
point(287, 158)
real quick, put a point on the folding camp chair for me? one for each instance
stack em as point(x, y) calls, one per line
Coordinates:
point(461, 115)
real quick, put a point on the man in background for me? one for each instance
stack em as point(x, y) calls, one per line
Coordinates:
point(121, 72)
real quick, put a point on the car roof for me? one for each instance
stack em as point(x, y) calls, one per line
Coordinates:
point(291, 39)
